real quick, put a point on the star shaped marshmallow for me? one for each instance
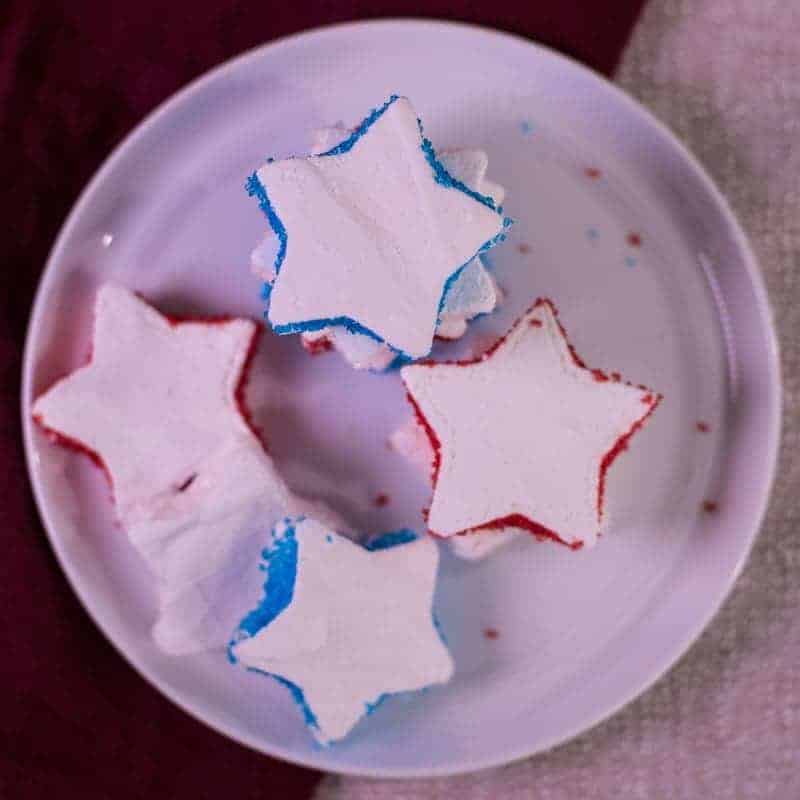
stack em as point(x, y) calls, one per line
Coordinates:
point(473, 291)
point(524, 436)
point(156, 398)
point(371, 233)
point(342, 625)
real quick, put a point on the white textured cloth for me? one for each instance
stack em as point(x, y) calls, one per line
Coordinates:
point(725, 722)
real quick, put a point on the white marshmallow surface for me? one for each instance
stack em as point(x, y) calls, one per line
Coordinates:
point(411, 442)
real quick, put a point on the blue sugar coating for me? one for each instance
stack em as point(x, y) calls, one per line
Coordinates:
point(439, 629)
point(256, 189)
point(361, 129)
point(298, 697)
point(317, 325)
point(442, 176)
point(384, 541)
point(454, 277)
point(280, 565)
point(372, 707)
point(400, 360)
point(448, 285)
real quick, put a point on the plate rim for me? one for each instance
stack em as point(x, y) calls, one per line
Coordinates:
point(726, 214)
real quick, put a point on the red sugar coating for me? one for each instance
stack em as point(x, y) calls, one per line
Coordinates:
point(241, 387)
point(620, 446)
point(381, 500)
point(465, 362)
point(710, 507)
point(703, 427)
point(81, 447)
point(175, 321)
point(480, 344)
point(438, 337)
point(75, 445)
point(535, 323)
point(526, 524)
point(436, 445)
point(316, 347)
point(592, 172)
point(634, 240)
point(650, 399)
point(575, 357)
point(523, 248)
point(491, 633)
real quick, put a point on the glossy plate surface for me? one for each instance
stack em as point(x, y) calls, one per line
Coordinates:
point(615, 222)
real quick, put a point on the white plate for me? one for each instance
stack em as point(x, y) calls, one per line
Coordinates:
point(580, 633)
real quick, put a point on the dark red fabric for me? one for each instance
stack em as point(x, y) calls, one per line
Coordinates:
point(75, 720)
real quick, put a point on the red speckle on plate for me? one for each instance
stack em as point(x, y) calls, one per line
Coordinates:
point(381, 500)
point(710, 507)
point(491, 633)
point(524, 248)
point(702, 427)
point(592, 172)
point(634, 240)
